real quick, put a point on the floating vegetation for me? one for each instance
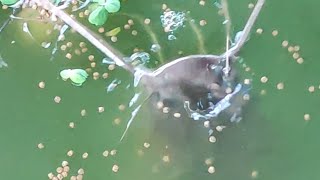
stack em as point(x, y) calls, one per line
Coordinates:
point(77, 76)
point(113, 32)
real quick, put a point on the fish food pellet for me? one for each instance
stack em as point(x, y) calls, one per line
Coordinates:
point(122, 107)
point(83, 112)
point(111, 67)
point(134, 32)
point(165, 159)
point(146, 145)
point(101, 30)
point(246, 97)
point(246, 81)
point(306, 117)
point(300, 60)
point(264, 79)
point(59, 170)
point(105, 153)
point(220, 128)
point(250, 5)
point(202, 2)
point(290, 49)
point(311, 89)
point(259, 31)
point(165, 110)
point(57, 99)
point(114, 38)
point(55, 178)
point(105, 75)
point(295, 55)
point(70, 153)
point(147, 21)
point(296, 48)
point(100, 109)
point(85, 155)
point(263, 92)
point(115, 168)
point(66, 169)
point(208, 161)
point(82, 44)
point(50, 175)
point(206, 124)
point(63, 47)
point(40, 146)
point(69, 44)
point(285, 43)
point(211, 170)
point(160, 105)
point(126, 26)
point(73, 178)
point(254, 174)
point(64, 174)
point(59, 176)
point(91, 57)
point(64, 163)
point(113, 152)
point(68, 56)
point(280, 86)
point(42, 85)
point(177, 115)
point(80, 171)
point(275, 33)
point(164, 6)
point(86, 12)
point(79, 177)
point(117, 121)
point(212, 139)
point(203, 22)
point(93, 64)
point(77, 52)
point(130, 22)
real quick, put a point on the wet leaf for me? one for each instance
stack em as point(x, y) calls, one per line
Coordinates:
point(99, 16)
point(112, 6)
point(8, 2)
point(77, 76)
point(99, 1)
point(93, 6)
point(113, 32)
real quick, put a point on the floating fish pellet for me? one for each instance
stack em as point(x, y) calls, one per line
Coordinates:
point(202, 2)
point(220, 128)
point(42, 85)
point(311, 89)
point(246, 97)
point(165, 110)
point(146, 145)
point(166, 158)
point(295, 55)
point(101, 30)
point(105, 153)
point(254, 174)
point(71, 125)
point(100, 109)
point(114, 38)
point(147, 21)
point(259, 31)
point(70, 153)
point(86, 12)
point(300, 60)
point(4, 7)
point(263, 92)
point(77, 52)
point(57, 99)
point(177, 115)
point(111, 67)
point(69, 44)
point(306, 117)
point(264, 79)
point(105, 75)
point(85, 155)
point(81, 171)
point(40, 146)
point(134, 32)
point(160, 105)
point(212, 139)
point(246, 81)
point(206, 124)
point(280, 86)
point(130, 22)
point(122, 107)
point(63, 47)
point(115, 168)
point(64, 163)
point(275, 33)
point(95, 75)
point(55, 178)
point(91, 57)
point(290, 49)
point(64, 174)
point(164, 6)
point(59, 176)
point(79, 177)
point(113, 152)
point(296, 48)
point(82, 44)
point(83, 50)
point(66, 169)
point(83, 112)
point(228, 90)
point(285, 43)
point(73, 178)
point(250, 5)
point(50, 175)
point(211, 170)
point(59, 170)
point(203, 22)
point(81, 14)
point(68, 56)
point(126, 26)
point(93, 64)
point(208, 161)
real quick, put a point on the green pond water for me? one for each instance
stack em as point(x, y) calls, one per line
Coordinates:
point(273, 139)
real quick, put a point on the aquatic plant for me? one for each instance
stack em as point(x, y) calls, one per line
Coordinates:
point(100, 10)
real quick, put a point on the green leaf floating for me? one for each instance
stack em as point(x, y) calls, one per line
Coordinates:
point(112, 6)
point(77, 76)
point(99, 16)
point(8, 2)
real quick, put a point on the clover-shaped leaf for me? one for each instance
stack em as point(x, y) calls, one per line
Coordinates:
point(99, 16)
point(112, 6)
point(8, 2)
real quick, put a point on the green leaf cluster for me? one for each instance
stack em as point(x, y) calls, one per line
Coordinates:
point(8, 2)
point(101, 9)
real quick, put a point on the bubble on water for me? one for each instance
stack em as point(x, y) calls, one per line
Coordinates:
point(172, 20)
point(141, 57)
point(155, 48)
point(172, 37)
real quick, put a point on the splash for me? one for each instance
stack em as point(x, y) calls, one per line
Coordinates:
point(171, 21)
